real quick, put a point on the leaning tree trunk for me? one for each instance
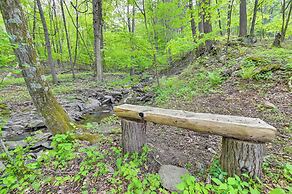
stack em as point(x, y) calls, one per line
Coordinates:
point(242, 19)
point(239, 157)
point(67, 39)
point(56, 119)
point(287, 23)
point(254, 18)
point(48, 43)
point(97, 25)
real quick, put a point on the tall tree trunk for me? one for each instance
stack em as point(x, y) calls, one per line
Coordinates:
point(219, 20)
point(97, 25)
point(229, 17)
point(133, 19)
point(77, 30)
point(207, 23)
point(57, 32)
point(242, 19)
point(254, 18)
point(287, 22)
point(131, 29)
point(201, 16)
point(283, 10)
point(56, 119)
point(80, 34)
point(34, 21)
point(193, 23)
point(52, 29)
point(128, 17)
point(48, 43)
point(67, 39)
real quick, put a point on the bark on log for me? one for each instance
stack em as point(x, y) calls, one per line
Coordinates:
point(244, 128)
point(133, 135)
point(239, 157)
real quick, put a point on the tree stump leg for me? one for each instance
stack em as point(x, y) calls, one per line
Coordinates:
point(133, 135)
point(239, 157)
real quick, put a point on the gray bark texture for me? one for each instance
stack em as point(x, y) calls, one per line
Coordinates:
point(56, 119)
point(277, 40)
point(97, 26)
point(254, 18)
point(242, 19)
point(238, 157)
point(193, 23)
point(133, 135)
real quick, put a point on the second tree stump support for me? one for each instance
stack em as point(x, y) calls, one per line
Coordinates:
point(239, 157)
point(133, 135)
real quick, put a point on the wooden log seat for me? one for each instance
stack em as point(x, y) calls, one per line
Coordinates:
point(243, 137)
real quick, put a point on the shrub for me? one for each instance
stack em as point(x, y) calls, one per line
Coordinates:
point(215, 78)
point(247, 72)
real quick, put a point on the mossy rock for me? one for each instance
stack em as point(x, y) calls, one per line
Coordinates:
point(257, 59)
point(86, 136)
point(266, 68)
point(4, 110)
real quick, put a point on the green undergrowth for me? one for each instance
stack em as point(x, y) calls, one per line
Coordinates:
point(204, 75)
point(72, 163)
point(194, 80)
point(262, 62)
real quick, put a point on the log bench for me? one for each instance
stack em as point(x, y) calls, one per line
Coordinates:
point(243, 138)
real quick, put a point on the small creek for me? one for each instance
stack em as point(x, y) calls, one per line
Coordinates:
point(96, 116)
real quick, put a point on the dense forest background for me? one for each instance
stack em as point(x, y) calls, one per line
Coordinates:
point(140, 34)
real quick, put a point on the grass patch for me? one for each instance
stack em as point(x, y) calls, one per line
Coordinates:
point(188, 85)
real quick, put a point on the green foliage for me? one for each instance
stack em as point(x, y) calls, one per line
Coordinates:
point(91, 162)
point(216, 171)
point(257, 68)
point(179, 46)
point(63, 150)
point(215, 78)
point(7, 58)
point(237, 185)
point(126, 82)
point(277, 191)
point(128, 168)
point(127, 176)
point(125, 50)
point(288, 172)
point(190, 186)
point(187, 86)
point(247, 72)
point(229, 185)
point(18, 175)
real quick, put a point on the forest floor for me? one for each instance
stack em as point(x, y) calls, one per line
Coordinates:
point(251, 81)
